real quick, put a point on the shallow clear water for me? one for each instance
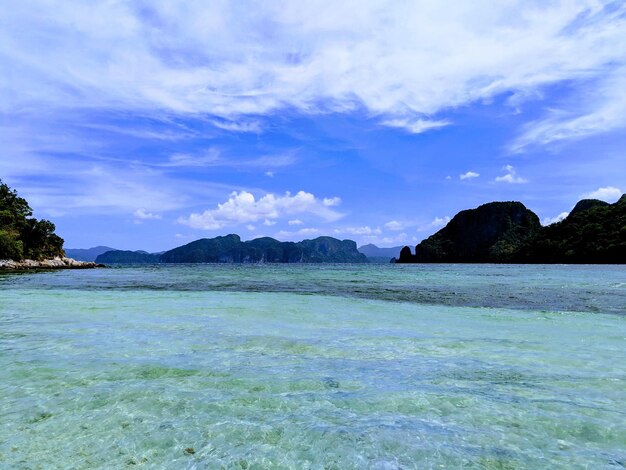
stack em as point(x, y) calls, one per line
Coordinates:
point(318, 366)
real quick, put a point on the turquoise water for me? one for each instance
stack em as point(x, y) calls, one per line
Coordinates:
point(318, 366)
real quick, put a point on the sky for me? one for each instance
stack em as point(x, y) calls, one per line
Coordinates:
point(149, 124)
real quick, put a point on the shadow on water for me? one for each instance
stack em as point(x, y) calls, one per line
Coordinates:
point(581, 288)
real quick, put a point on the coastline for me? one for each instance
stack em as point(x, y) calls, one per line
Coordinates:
point(48, 264)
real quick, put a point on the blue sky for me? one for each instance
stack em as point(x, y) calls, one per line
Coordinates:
point(146, 125)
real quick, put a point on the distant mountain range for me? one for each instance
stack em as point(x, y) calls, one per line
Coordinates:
point(86, 254)
point(379, 255)
point(230, 249)
point(507, 232)
point(497, 232)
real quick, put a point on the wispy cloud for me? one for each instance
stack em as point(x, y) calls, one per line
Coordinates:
point(213, 157)
point(210, 157)
point(399, 62)
point(600, 108)
point(64, 174)
point(297, 235)
point(363, 230)
point(253, 126)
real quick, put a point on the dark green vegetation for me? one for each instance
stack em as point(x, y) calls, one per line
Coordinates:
point(127, 257)
point(594, 232)
point(490, 233)
point(21, 235)
point(230, 249)
point(507, 232)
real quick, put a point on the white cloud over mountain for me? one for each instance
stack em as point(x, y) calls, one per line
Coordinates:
point(607, 193)
point(555, 219)
point(242, 207)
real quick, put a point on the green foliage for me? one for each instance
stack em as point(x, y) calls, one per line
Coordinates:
point(230, 249)
point(490, 233)
point(10, 246)
point(22, 236)
point(594, 232)
point(127, 257)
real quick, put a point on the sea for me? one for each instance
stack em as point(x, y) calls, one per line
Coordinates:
point(318, 366)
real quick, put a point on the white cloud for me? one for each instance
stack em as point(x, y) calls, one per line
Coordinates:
point(213, 157)
point(436, 223)
point(415, 126)
point(510, 176)
point(387, 240)
point(209, 157)
point(332, 201)
point(469, 175)
point(599, 110)
point(269, 223)
point(607, 193)
point(448, 177)
point(55, 186)
point(295, 222)
point(142, 214)
point(243, 207)
point(364, 230)
point(298, 234)
point(440, 221)
point(269, 174)
point(241, 126)
point(555, 219)
point(251, 227)
point(401, 62)
point(395, 226)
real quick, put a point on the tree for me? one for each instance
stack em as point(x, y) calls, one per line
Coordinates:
point(21, 235)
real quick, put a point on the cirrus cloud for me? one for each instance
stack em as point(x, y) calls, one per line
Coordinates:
point(402, 62)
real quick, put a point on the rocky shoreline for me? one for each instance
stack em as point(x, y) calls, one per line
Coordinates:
point(55, 263)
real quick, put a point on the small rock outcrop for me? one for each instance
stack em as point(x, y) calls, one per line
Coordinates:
point(55, 263)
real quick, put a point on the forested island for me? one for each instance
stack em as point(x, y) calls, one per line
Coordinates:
point(28, 243)
point(231, 249)
point(507, 232)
